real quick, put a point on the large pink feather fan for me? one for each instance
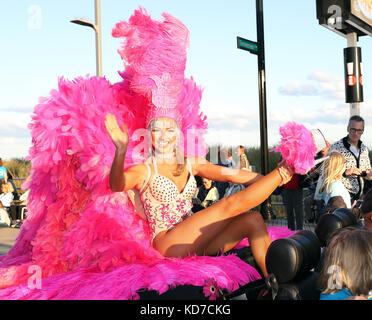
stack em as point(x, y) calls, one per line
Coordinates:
point(297, 147)
point(76, 228)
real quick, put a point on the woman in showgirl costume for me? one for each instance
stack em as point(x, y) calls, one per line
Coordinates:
point(142, 136)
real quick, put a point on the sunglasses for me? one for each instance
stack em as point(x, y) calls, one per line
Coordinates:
point(359, 131)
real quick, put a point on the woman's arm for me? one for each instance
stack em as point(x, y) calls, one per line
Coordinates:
point(205, 169)
point(134, 176)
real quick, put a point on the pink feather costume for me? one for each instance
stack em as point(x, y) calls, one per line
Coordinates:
point(86, 241)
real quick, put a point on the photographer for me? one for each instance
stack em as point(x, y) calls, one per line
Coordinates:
point(358, 166)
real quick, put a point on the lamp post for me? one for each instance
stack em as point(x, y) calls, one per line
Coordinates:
point(258, 48)
point(97, 28)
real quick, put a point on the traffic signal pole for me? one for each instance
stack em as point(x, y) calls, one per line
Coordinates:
point(262, 86)
point(266, 209)
point(258, 48)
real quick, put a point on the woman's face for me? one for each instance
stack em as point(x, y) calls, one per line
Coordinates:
point(164, 134)
point(207, 183)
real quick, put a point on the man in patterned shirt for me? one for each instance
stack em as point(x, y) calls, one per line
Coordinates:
point(358, 165)
point(243, 160)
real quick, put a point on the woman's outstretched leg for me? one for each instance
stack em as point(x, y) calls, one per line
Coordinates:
point(247, 225)
point(196, 233)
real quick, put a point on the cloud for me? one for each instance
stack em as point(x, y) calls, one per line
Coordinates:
point(14, 147)
point(297, 89)
point(320, 84)
point(329, 112)
point(16, 108)
point(228, 120)
point(14, 122)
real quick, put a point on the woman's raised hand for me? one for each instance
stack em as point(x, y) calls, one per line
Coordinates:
point(285, 172)
point(119, 137)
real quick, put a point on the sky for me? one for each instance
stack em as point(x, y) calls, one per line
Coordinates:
point(304, 64)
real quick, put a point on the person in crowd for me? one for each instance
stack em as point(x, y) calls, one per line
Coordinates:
point(206, 196)
point(334, 203)
point(355, 152)
point(15, 191)
point(292, 195)
point(6, 196)
point(366, 210)
point(167, 186)
point(3, 171)
point(330, 184)
point(4, 216)
point(347, 269)
point(309, 181)
point(243, 162)
point(233, 188)
point(225, 160)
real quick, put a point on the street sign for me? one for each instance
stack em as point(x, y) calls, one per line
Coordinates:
point(247, 45)
point(346, 16)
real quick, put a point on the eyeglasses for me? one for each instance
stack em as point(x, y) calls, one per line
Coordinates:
point(359, 131)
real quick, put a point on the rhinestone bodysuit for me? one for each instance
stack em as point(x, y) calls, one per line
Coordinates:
point(163, 204)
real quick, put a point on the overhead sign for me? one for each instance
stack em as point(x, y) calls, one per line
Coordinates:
point(247, 45)
point(346, 16)
point(361, 9)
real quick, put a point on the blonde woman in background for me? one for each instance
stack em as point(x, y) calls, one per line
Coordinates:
point(330, 184)
point(6, 196)
point(347, 268)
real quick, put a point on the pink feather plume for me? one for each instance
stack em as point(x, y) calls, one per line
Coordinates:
point(297, 147)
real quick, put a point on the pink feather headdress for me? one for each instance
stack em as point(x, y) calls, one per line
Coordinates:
point(155, 59)
point(154, 55)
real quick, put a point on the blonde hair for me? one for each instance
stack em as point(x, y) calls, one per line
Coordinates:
point(180, 157)
point(8, 187)
point(333, 168)
point(349, 253)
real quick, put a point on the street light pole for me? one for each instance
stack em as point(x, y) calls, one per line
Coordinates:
point(262, 86)
point(258, 48)
point(97, 7)
point(97, 28)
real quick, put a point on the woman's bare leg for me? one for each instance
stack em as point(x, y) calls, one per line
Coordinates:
point(197, 233)
point(247, 225)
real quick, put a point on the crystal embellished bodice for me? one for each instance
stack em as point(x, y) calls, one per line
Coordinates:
point(163, 204)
